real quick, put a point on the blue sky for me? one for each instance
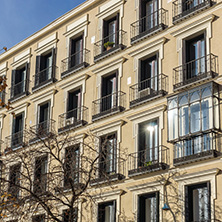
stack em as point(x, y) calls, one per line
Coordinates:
point(21, 18)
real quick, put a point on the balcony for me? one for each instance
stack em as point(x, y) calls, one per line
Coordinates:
point(183, 9)
point(42, 130)
point(75, 62)
point(196, 71)
point(149, 25)
point(15, 141)
point(148, 90)
point(19, 90)
point(109, 171)
point(192, 149)
point(73, 119)
point(119, 42)
point(148, 160)
point(45, 77)
point(108, 105)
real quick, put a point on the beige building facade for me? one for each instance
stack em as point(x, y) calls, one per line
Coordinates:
point(145, 74)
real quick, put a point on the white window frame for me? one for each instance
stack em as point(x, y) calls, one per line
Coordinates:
point(201, 25)
point(106, 197)
point(147, 188)
point(196, 178)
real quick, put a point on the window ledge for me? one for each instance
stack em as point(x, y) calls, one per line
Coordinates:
point(19, 96)
point(110, 52)
point(74, 69)
point(196, 157)
point(43, 84)
point(147, 169)
point(107, 179)
point(72, 126)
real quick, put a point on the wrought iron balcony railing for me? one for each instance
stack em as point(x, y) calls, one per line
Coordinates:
point(73, 118)
point(15, 141)
point(75, 62)
point(148, 160)
point(149, 25)
point(184, 8)
point(117, 42)
point(109, 170)
point(196, 70)
point(148, 89)
point(197, 148)
point(108, 105)
point(45, 77)
point(42, 130)
point(19, 89)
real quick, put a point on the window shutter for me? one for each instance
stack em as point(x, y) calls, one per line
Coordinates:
point(118, 33)
point(26, 77)
point(209, 197)
point(187, 203)
point(13, 125)
point(53, 63)
point(157, 206)
point(13, 83)
point(37, 69)
point(114, 211)
point(105, 34)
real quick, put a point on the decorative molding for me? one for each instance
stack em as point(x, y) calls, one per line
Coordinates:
point(3, 68)
point(108, 194)
point(144, 186)
point(47, 44)
point(22, 58)
point(43, 95)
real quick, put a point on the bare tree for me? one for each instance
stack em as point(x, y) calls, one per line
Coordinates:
point(53, 171)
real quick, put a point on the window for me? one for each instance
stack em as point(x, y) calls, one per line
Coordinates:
point(66, 215)
point(194, 111)
point(17, 130)
point(76, 51)
point(71, 166)
point(19, 83)
point(74, 105)
point(148, 209)
point(148, 76)
point(40, 174)
point(148, 143)
point(109, 92)
point(149, 14)
point(43, 118)
point(14, 180)
point(45, 67)
point(195, 57)
point(38, 218)
point(197, 202)
point(108, 149)
point(110, 30)
point(188, 5)
point(107, 212)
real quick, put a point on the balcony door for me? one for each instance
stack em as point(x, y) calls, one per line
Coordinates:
point(74, 105)
point(108, 154)
point(149, 15)
point(110, 31)
point(148, 143)
point(188, 5)
point(43, 118)
point(195, 57)
point(109, 92)
point(17, 130)
point(76, 52)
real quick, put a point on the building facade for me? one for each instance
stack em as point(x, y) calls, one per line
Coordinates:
point(145, 75)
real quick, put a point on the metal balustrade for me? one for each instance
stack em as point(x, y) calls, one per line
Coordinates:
point(112, 169)
point(149, 25)
point(196, 148)
point(45, 77)
point(148, 160)
point(196, 70)
point(15, 140)
point(118, 40)
point(75, 62)
point(19, 89)
point(108, 105)
point(42, 130)
point(182, 9)
point(73, 118)
point(148, 89)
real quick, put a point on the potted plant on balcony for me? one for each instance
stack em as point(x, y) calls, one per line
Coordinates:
point(108, 45)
